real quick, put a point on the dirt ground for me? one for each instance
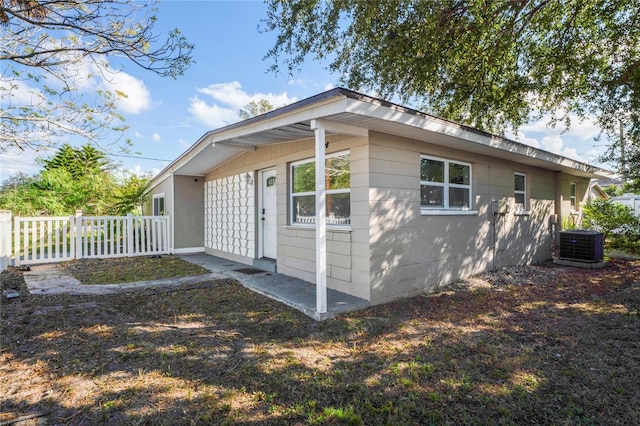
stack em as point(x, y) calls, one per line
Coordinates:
point(538, 344)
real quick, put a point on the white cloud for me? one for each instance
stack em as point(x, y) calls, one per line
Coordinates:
point(156, 137)
point(212, 115)
point(86, 77)
point(14, 160)
point(137, 98)
point(552, 144)
point(522, 138)
point(579, 129)
point(577, 142)
point(17, 92)
point(228, 100)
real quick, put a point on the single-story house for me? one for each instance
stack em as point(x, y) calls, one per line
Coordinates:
point(367, 197)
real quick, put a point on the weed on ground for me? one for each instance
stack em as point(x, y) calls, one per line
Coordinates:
point(131, 269)
point(525, 345)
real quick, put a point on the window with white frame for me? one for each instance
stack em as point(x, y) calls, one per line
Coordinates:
point(337, 185)
point(158, 205)
point(572, 196)
point(520, 191)
point(444, 184)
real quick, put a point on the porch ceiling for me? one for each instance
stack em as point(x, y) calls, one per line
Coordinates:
point(214, 154)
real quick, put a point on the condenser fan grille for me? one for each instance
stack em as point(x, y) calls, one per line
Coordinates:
point(582, 245)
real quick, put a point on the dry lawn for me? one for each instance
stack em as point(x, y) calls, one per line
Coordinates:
point(524, 345)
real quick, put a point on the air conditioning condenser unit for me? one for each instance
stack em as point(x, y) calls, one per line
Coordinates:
point(582, 245)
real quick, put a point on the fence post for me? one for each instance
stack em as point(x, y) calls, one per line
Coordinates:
point(5, 239)
point(130, 234)
point(77, 251)
point(167, 236)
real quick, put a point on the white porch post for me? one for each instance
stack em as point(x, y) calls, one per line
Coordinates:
point(321, 223)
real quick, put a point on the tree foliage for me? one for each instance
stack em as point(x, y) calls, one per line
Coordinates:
point(79, 162)
point(50, 50)
point(494, 65)
point(74, 179)
point(253, 109)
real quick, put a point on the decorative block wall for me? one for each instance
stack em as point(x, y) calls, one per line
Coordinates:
point(229, 224)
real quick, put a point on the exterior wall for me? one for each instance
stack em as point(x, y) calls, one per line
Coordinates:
point(569, 216)
point(347, 250)
point(411, 253)
point(392, 249)
point(165, 187)
point(188, 212)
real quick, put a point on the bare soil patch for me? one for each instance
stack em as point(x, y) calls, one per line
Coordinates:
point(524, 345)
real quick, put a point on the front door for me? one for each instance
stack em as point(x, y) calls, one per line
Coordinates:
point(267, 214)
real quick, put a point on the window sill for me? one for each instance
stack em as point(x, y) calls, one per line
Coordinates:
point(574, 212)
point(522, 212)
point(330, 228)
point(434, 212)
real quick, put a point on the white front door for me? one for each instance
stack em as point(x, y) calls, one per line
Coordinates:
point(267, 217)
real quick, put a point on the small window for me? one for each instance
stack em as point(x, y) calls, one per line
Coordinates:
point(520, 191)
point(444, 184)
point(158, 205)
point(572, 197)
point(337, 185)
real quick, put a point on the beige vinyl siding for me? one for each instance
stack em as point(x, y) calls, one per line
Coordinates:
point(347, 249)
point(412, 253)
point(165, 187)
point(582, 188)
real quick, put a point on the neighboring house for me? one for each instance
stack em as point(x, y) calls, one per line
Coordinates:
point(412, 201)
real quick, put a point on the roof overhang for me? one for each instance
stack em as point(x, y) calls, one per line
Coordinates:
point(343, 111)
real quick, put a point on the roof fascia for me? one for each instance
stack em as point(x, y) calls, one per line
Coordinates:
point(397, 114)
point(306, 111)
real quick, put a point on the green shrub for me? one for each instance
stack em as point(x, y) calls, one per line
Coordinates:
point(618, 223)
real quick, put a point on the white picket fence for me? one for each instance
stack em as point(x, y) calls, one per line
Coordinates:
point(5, 239)
point(57, 239)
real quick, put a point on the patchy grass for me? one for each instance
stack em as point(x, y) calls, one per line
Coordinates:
point(131, 269)
point(534, 345)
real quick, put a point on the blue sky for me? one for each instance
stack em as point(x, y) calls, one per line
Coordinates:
point(167, 116)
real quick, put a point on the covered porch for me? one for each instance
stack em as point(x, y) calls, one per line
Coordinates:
point(293, 292)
